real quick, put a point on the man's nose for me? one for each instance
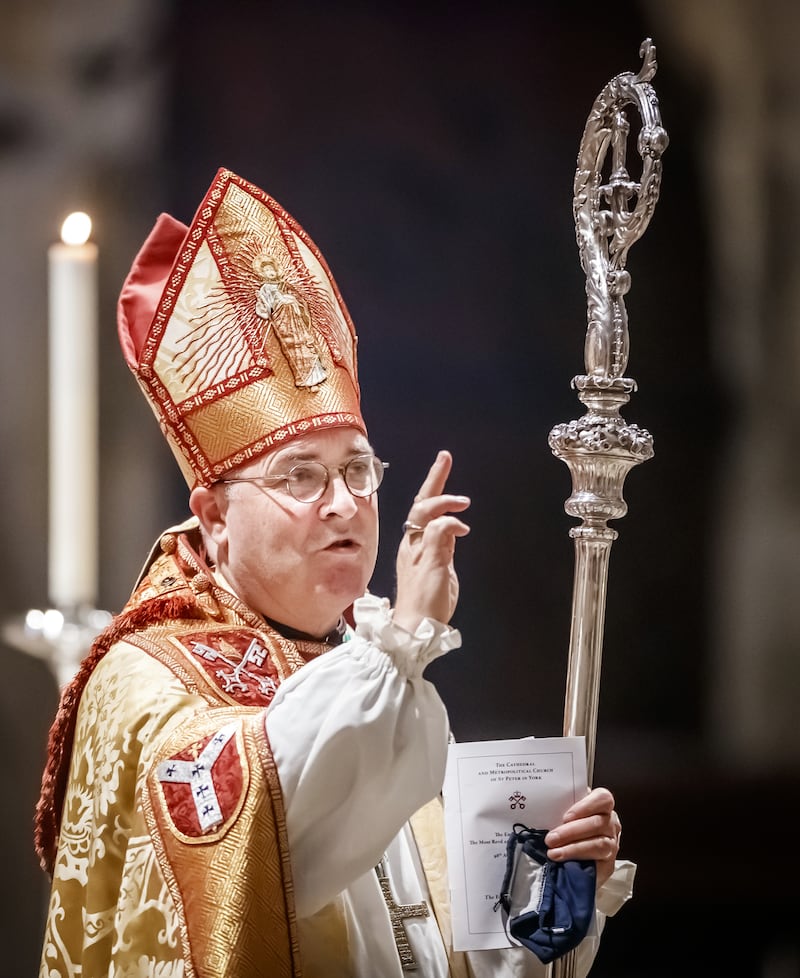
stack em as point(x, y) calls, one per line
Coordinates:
point(338, 498)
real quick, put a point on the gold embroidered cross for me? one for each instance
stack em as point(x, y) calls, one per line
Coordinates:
point(398, 912)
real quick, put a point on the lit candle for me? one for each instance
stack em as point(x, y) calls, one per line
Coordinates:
point(72, 563)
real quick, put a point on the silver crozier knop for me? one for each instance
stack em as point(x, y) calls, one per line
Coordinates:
point(601, 447)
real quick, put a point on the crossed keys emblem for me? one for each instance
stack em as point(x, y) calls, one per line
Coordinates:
point(236, 677)
point(517, 800)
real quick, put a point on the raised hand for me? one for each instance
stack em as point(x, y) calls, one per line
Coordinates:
point(427, 585)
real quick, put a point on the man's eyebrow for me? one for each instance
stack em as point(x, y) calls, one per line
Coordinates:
point(309, 455)
point(289, 456)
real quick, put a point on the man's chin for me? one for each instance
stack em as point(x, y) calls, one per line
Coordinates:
point(341, 590)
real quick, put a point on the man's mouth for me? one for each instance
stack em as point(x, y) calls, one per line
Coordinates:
point(342, 546)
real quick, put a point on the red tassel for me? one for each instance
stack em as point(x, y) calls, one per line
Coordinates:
point(47, 821)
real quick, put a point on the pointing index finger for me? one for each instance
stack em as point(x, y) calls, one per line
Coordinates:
point(436, 478)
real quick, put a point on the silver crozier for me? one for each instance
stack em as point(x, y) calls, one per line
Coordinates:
point(601, 447)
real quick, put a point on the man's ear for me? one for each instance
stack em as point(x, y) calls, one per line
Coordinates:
point(209, 505)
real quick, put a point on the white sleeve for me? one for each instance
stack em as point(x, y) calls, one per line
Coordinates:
point(360, 742)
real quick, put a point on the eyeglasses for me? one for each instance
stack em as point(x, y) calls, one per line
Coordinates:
point(307, 481)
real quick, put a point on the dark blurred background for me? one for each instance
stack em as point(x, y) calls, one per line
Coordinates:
point(429, 150)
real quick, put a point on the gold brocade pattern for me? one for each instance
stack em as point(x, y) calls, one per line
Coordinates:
point(130, 898)
point(110, 911)
point(232, 895)
point(262, 408)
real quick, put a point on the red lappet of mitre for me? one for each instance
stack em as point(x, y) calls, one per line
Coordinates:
point(236, 332)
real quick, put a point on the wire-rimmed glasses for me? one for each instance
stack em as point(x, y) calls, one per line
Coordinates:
point(307, 481)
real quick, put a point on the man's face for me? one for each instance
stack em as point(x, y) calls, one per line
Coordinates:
point(301, 564)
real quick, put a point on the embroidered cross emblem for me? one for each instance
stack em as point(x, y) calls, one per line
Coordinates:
point(198, 775)
point(398, 912)
point(236, 677)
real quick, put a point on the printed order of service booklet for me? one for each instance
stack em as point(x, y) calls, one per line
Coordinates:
point(488, 788)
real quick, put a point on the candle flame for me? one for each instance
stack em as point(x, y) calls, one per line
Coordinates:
point(76, 228)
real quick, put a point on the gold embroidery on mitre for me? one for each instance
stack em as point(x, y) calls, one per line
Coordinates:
point(251, 338)
point(244, 417)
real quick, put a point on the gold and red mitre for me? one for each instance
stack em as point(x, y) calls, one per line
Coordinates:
point(237, 332)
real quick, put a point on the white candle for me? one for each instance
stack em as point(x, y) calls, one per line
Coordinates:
point(72, 563)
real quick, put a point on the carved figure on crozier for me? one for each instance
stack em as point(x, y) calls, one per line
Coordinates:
point(228, 334)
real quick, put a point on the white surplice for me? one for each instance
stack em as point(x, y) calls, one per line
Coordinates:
point(360, 742)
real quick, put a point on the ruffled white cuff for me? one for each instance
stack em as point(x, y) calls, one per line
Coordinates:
point(617, 889)
point(409, 653)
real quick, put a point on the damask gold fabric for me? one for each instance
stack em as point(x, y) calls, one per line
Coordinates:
point(136, 891)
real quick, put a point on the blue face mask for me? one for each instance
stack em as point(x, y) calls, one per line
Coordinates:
point(547, 906)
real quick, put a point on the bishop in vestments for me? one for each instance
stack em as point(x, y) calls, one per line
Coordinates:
point(243, 777)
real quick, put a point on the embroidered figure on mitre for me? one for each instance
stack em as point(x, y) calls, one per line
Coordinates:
point(264, 288)
point(288, 315)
